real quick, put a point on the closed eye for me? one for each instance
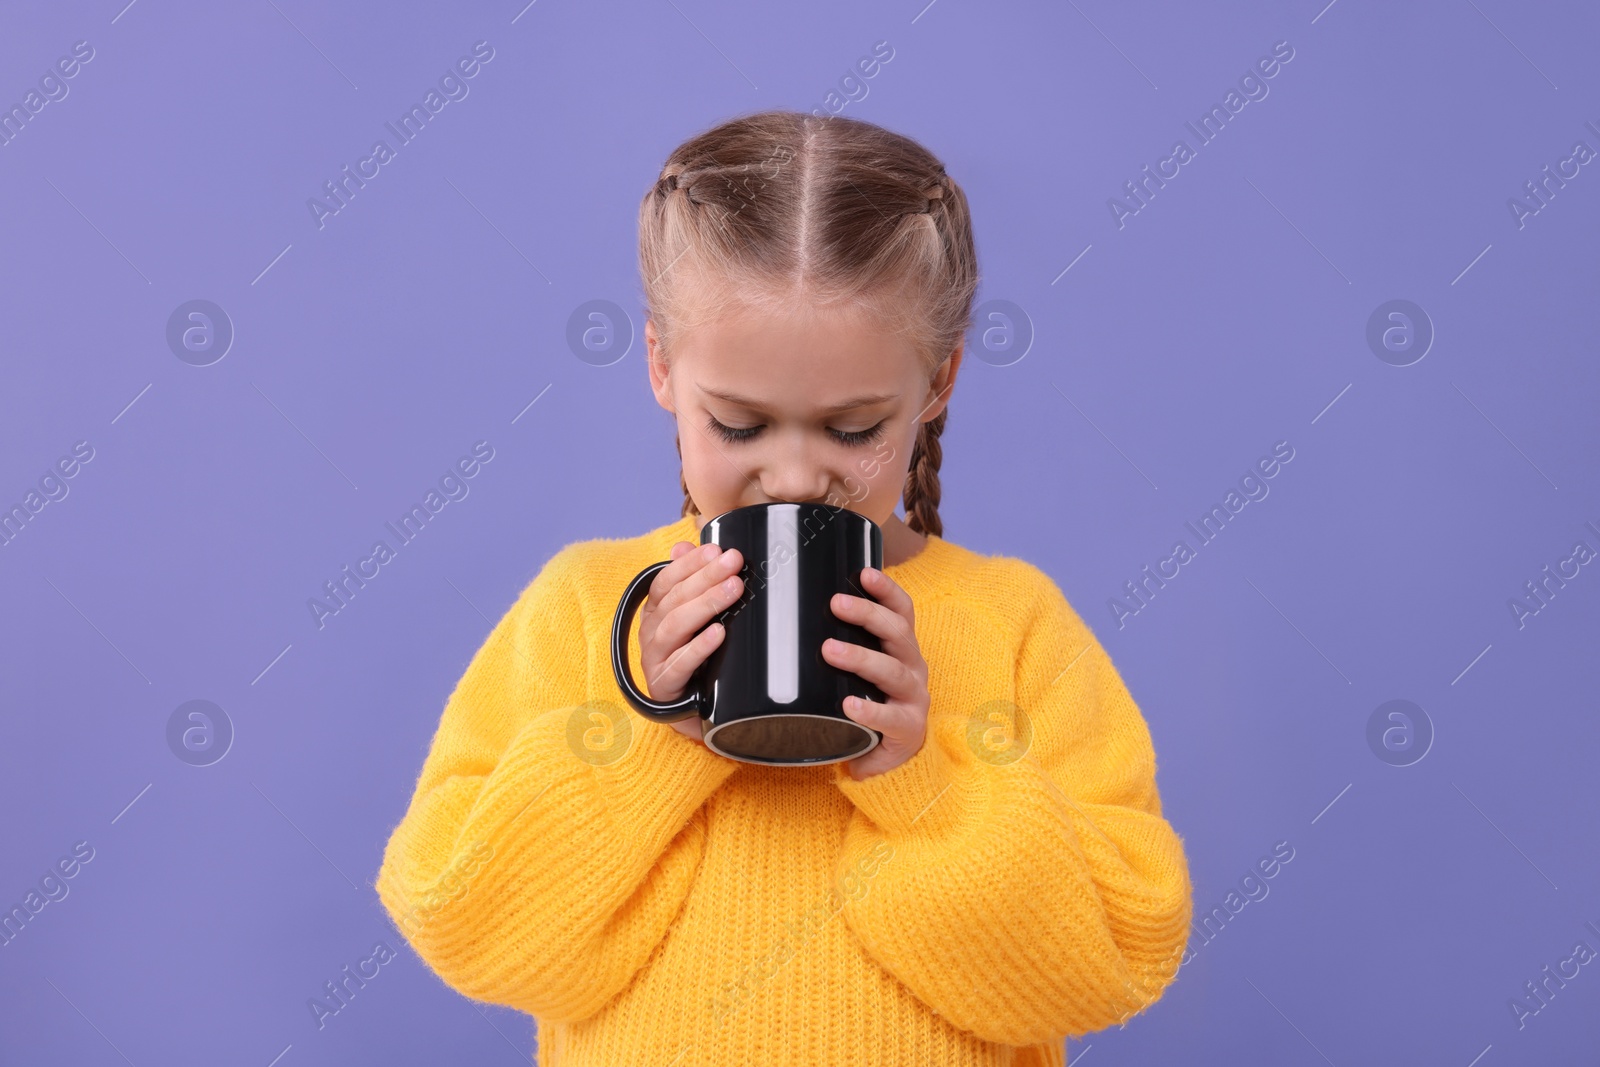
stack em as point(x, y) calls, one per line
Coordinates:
point(734, 435)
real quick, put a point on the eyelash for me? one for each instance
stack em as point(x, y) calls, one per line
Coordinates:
point(848, 438)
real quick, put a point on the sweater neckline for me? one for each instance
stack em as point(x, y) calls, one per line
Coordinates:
point(916, 573)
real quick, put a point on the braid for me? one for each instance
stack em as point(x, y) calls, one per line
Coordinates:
point(922, 480)
point(672, 179)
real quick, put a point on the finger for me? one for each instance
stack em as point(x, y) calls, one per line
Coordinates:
point(673, 674)
point(879, 620)
point(686, 559)
point(886, 591)
point(678, 623)
point(880, 717)
point(690, 575)
point(897, 680)
point(684, 563)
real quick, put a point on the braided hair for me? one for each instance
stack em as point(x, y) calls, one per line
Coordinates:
point(839, 208)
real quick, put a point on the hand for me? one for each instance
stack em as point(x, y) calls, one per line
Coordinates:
point(674, 639)
point(899, 671)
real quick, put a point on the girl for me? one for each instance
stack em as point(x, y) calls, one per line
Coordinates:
point(994, 877)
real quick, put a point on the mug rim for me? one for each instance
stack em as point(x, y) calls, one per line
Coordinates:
point(874, 739)
point(796, 503)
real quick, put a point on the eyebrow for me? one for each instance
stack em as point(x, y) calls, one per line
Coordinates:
point(843, 405)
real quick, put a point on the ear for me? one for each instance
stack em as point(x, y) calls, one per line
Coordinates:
point(943, 384)
point(659, 371)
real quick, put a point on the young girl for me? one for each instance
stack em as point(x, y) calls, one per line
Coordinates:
point(995, 876)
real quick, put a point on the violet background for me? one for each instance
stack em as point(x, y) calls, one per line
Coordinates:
point(370, 354)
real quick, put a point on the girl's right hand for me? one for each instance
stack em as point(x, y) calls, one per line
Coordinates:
point(674, 639)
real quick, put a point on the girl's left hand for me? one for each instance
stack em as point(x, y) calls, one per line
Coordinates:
point(899, 671)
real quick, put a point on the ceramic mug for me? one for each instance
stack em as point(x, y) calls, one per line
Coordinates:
point(765, 694)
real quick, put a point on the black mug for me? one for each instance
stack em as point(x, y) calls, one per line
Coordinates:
point(765, 694)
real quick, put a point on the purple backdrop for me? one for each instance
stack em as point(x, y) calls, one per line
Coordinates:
point(1378, 259)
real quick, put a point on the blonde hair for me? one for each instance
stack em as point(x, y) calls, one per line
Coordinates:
point(841, 212)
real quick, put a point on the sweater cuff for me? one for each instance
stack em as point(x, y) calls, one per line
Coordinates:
point(931, 794)
point(662, 763)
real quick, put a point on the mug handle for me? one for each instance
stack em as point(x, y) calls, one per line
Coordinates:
point(621, 625)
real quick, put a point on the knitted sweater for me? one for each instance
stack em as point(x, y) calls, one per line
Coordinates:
point(649, 901)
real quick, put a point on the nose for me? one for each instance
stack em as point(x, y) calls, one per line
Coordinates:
point(793, 475)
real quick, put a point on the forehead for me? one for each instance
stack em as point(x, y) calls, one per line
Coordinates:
point(798, 358)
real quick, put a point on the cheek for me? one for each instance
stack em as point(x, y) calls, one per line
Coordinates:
point(880, 471)
point(889, 460)
point(712, 469)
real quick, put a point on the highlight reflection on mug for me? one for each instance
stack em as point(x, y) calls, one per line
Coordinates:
point(600, 732)
point(779, 555)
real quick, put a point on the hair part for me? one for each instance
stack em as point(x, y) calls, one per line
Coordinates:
point(839, 212)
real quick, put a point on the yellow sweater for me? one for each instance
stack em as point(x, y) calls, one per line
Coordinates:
point(651, 902)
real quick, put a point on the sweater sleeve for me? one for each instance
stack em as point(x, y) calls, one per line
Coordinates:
point(553, 833)
point(1023, 882)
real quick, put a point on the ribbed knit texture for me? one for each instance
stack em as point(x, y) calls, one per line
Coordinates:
point(651, 902)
